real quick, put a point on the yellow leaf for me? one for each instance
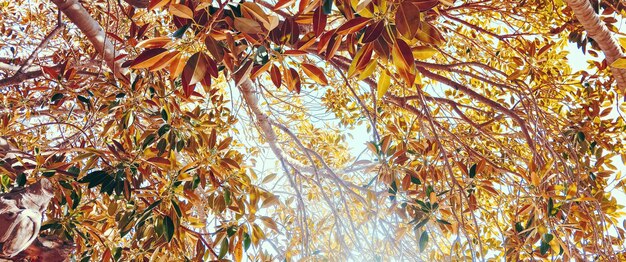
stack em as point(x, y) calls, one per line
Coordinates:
point(554, 244)
point(622, 42)
point(238, 252)
point(369, 70)
point(423, 52)
point(619, 63)
point(383, 84)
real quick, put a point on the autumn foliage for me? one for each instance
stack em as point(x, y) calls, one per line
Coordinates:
point(194, 130)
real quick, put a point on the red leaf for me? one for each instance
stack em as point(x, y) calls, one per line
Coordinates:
point(353, 25)
point(372, 32)
point(333, 46)
point(319, 21)
point(50, 71)
point(425, 5)
point(405, 53)
point(275, 75)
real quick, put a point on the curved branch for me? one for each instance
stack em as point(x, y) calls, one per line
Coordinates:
point(601, 34)
point(94, 32)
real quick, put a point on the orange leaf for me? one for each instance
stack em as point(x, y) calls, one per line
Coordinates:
point(315, 73)
point(165, 61)
point(282, 3)
point(154, 42)
point(176, 67)
point(182, 11)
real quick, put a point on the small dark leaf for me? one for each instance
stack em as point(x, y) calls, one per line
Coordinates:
point(56, 97)
point(472, 171)
point(246, 241)
point(423, 241)
point(164, 129)
point(169, 228)
point(181, 31)
point(223, 248)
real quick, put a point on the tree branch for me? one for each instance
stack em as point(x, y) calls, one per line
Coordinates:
point(94, 32)
point(600, 33)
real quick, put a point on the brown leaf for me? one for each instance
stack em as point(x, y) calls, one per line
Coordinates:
point(247, 25)
point(165, 61)
point(402, 51)
point(194, 72)
point(407, 19)
point(215, 48)
point(182, 11)
point(425, 5)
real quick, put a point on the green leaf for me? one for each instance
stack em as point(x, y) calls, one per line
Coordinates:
point(96, 178)
point(176, 208)
point(168, 225)
point(56, 97)
point(327, 7)
point(181, 31)
point(223, 248)
point(149, 139)
point(519, 227)
point(423, 241)
point(164, 129)
point(550, 207)
point(246, 241)
point(164, 114)
point(544, 247)
point(472, 171)
point(21, 179)
point(231, 230)
point(443, 222)
point(227, 199)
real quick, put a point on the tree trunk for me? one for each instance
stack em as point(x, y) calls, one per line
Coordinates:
point(597, 30)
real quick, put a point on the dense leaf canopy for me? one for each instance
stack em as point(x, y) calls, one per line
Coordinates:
point(319, 129)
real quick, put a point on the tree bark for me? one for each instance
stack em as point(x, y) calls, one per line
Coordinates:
point(94, 32)
point(597, 30)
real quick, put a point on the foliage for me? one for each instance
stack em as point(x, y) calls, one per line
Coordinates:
point(473, 136)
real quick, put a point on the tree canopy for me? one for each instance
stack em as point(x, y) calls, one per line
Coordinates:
point(187, 130)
